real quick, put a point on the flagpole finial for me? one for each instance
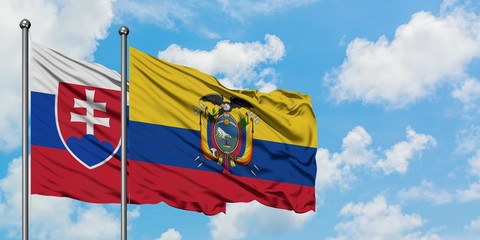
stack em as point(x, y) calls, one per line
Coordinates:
point(25, 24)
point(123, 30)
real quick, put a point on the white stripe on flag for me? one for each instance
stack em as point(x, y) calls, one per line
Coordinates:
point(49, 67)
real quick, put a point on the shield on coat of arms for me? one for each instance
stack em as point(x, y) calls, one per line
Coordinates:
point(226, 133)
point(88, 122)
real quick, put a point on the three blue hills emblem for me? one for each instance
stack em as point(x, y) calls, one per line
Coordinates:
point(226, 131)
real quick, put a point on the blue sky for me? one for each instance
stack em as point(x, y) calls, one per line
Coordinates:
point(394, 85)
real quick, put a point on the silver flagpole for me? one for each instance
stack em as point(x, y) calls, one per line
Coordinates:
point(25, 26)
point(123, 31)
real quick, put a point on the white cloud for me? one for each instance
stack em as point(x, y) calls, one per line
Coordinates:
point(243, 9)
point(164, 13)
point(170, 234)
point(411, 66)
point(398, 157)
point(378, 220)
point(468, 93)
point(471, 231)
point(61, 218)
point(473, 226)
point(61, 25)
point(355, 151)
point(337, 169)
point(134, 213)
point(331, 171)
point(425, 191)
point(474, 163)
point(448, 5)
point(420, 236)
point(11, 196)
point(53, 217)
point(468, 140)
point(170, 14)
point(245, 219)
point(470, 194)
point(236, 62)
point(266, 87)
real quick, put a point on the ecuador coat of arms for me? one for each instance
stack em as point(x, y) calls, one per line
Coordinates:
point(226, 131)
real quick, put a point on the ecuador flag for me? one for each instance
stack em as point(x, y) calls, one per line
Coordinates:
point(197, 145)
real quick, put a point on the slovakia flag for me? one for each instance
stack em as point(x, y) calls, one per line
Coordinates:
point(75, 128)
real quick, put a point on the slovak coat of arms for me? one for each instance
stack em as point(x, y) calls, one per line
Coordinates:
point(88, 122)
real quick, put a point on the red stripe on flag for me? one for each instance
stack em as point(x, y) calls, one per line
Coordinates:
point(56, 173)
point(207, 192)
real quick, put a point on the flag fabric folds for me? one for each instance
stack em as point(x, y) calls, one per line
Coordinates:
point(192, 143)
point(197, 145)
point(75, 128)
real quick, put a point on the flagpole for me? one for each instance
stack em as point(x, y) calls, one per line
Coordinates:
point(123, 31)
point(25, 26)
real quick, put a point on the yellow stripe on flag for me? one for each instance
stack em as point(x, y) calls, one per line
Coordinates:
point(164, 93)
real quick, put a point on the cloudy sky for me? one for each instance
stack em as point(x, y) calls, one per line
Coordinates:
point(395, 88)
